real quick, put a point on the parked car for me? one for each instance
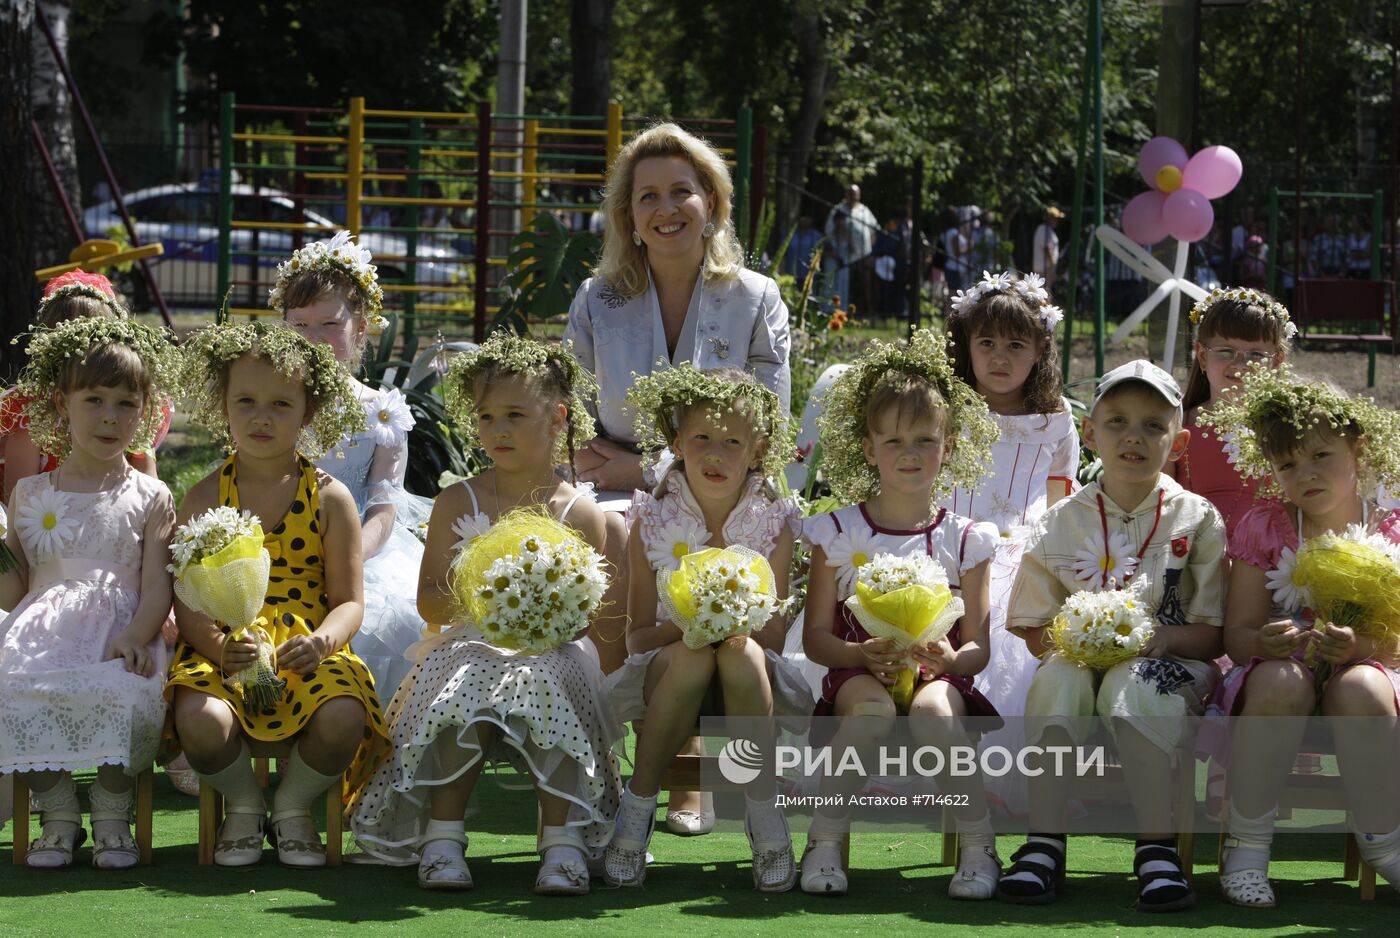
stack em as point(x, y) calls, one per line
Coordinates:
point(183, 217)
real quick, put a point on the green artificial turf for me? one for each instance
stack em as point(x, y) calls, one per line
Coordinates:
point(698, 885)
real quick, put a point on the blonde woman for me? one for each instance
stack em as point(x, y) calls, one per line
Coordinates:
point(671, 288)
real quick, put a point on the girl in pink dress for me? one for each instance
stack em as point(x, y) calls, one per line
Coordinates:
point(1282, 645)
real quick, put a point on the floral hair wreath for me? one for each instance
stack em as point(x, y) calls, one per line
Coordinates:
point(660, 397)
point(1248, 296)
point(81, 282)
point(338, 412)
point(843, 429)
point(1030, 287)
point(1271, 396)
point(339, 253)
point(51, 348)
point(519, 355)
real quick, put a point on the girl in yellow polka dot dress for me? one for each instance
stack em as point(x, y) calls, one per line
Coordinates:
point(280, 400)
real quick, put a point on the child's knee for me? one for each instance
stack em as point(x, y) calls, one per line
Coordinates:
point(689, 667)
point(1279, 687)
point(1360, 691)
point(339, 722)
point(739, 656)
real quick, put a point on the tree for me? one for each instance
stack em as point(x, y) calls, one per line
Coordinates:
point(590, 46)
point(53, 114)
point(17, 291)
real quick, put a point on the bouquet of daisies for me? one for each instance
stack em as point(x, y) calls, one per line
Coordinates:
point(1350, 579)
point(530, 583)
point(908, 601)
point(718, 592)
point(221, 570)
point(1100, 628)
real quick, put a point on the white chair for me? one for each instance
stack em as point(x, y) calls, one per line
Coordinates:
point(796, 472)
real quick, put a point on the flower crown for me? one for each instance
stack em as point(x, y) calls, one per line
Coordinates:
point(660, 397)
point(79, 281)
point(1250, 297)
point(843, 428)
point(50, 348)
point(520, 355)
point(337, 411)
point(1274, 396)
point(1030, 287)
point(339, 253)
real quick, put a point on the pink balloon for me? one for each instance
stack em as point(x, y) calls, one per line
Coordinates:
point(1213, 172)
point(1142, 218)
point(1159, 152)
point(1187, 215)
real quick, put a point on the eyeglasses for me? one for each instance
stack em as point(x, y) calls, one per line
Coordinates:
point(1227, 355)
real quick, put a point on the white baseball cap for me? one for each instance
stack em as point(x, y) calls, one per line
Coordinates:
point(1144, 371)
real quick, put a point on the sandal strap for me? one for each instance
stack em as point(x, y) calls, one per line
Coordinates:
point(456, 837)
point(569, 837)
point(293, 813)
point(1156, 854)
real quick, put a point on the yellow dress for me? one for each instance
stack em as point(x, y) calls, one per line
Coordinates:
point(296, 603)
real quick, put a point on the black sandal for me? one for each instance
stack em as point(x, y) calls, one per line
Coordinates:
point(1169, 898)
point(1049, 879)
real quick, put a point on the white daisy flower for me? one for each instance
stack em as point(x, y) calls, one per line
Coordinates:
point(1051, 316)
point(848, 552)
point(468, 528)
point(1098, 563)
point(388, 417)
point(1034, 283)
point(995, 283)
point(683, 535)
point(1288, 594)
point(44, 522)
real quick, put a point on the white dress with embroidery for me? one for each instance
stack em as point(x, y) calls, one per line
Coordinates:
point(62, 706)
point(372, 464)
point(673, 526)
point(547, 709)
point(1031, 451)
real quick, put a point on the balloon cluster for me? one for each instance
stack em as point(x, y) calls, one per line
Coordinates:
point(1178, 203)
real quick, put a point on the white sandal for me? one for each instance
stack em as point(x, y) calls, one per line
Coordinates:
point(569, 878)
point(445, 869)
point(625, 861)
point(53, 850)
point(240, 851)
point(979, 871)
point(822, 872)
point(298, 844)
point(112, 849)
point(1249, 888)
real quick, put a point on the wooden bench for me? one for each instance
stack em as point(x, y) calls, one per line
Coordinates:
point(1351, 312)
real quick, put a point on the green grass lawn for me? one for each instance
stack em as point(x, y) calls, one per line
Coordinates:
point(697, 885)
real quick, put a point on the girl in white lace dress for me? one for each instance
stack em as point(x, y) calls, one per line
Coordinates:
point(727, 431)
point(82, 662)
point(466, 700)
point(329, 292)
point(1003, 346)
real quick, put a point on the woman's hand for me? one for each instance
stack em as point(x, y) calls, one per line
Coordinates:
point(302, 654)
point(614, 468)
point(935, 657)
point(238, 654)
point(1280, 639)
point(1335, 645)
point(882, 659)
point(133, 654)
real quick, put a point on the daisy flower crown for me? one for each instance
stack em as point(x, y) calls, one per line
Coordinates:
point(1029, 287)
point(1272, 397)
point(50, 349)
point(83, 283)
point(1250, 297)
point(344, 255)
point(843, 430)
point(662, 396)
point(511, 354)
point(208, 352)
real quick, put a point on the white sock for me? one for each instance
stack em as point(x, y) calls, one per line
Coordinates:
point(237, 784)
point(58, 806)
point(1382, 851)
point(976, 833)
point(299, 787)
point(559, 854)
point(442, 838)
point(109, 803)
point(635, 815)
point(766, 821)
point(1255, 836)
point(828, 828)
point(1052, 852)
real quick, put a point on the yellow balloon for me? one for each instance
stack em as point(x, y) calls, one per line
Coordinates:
point(1169, 178)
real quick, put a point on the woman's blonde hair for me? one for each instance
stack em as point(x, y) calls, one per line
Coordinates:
point(623, 266)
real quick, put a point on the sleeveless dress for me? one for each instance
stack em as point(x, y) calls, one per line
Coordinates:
point(295, 605)
point(1259, 539)
point(63, 707)
point(1208, 468)
point(547, 709)
point(372, 465)
point(674, 525)
point(848, 537)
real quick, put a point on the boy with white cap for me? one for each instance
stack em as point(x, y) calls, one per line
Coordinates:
point(1133, 525)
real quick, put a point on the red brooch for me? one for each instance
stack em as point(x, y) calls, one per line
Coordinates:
point(1180, 546)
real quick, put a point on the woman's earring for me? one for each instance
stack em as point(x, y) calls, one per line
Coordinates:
point(708, 231)
point(636, 237)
